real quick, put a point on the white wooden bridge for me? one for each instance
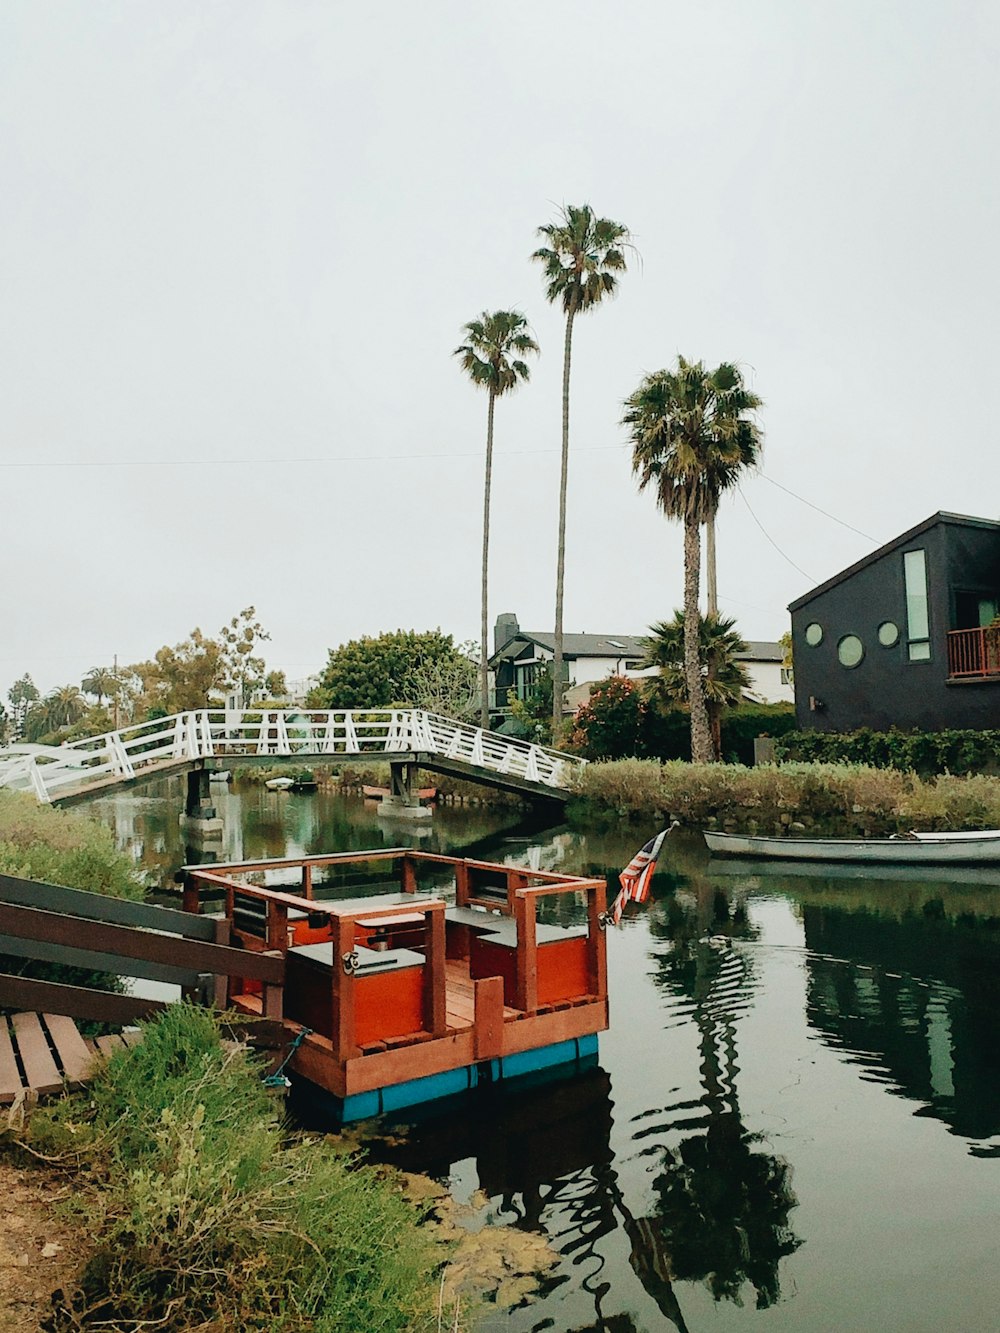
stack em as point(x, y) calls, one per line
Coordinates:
point(57, 774)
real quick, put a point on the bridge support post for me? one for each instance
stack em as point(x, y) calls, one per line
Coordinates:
point(200, 817)
point(401, 803)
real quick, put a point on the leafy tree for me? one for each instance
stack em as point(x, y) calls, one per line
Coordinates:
point(581, 261)
point(491, 357)
point(21, 696)
point(241, 668)
point(450, 684)
point(380, 672)
point(724, 678)
point(275, 685)
point(787, 660)
point(610, 724)
point(5, 726)
point(180, 678)
point(691, 437)
point(531, 717)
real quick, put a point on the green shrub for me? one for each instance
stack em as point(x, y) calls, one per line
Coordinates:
point(203, 1214)
point(923, 752)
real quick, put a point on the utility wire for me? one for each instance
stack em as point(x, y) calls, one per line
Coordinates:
point(772, 541)
point(824, 512)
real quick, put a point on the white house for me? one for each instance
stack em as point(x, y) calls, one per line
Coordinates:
point(520, 657)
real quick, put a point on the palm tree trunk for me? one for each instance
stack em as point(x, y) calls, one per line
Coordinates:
point(710, 573)
point(701, 739)
point(557, 637)
point(484, 628)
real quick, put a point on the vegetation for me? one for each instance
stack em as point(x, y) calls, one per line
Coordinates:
point(241, 667)
point(582, 259)
point(851, 797)
point(924, 752)
point(392, 670)
point(202, 1214)
point(692, 437)
point(492, 359)
point(725, 679)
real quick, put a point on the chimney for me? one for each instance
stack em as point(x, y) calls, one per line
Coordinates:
point(505, 629)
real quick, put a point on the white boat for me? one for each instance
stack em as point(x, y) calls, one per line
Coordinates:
point(221, 775)
point(279, 784)
point(907, 849)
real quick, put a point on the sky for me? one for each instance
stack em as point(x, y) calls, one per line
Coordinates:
point(239, 241)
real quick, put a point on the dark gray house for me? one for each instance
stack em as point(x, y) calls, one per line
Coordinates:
point(909, 637)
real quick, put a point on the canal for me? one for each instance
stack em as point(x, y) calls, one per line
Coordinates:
point(795, 1119)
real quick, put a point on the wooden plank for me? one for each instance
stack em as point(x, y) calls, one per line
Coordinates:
point(108, 1045)
point(342, 986)
point(99, 907)
point(71, 1049)
point(489, 1018)
point(10, 1075)
point(100, 962)
point(526, 989)
point(434, 973)
point(132, 1036)
point(50, 997)
point(51, 927)
point(546, 1029)
point(39, 1067)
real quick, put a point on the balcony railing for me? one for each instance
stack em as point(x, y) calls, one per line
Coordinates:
point(974, 652)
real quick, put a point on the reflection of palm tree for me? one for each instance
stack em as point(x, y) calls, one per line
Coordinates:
point(722, 1205)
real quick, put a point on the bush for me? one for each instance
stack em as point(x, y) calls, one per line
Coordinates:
point(202, 1214)
point(923, 752)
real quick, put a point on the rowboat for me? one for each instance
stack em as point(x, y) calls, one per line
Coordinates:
point(423, 990)
point(425, 794)
point(907, 849)
point(279, 784)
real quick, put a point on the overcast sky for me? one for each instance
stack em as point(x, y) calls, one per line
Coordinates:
point(239, 240)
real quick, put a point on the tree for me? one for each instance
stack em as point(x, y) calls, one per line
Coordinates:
point(689, 433)
point(179, 678)
point(581, 260)
point(724, 678)
point(5, 727)
point(490, 356)
point(60, 708)
point(275, 685)
point(449, 684)
point(21, 696)
point(101, 682)
point(380, 672)
point(787, 659)
point(610, 724)
point(240, 667)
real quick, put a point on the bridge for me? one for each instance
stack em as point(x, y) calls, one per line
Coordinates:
point(202, 739)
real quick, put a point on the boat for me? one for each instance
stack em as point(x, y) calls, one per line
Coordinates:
point(403, 996)
point(425, 794)
point(305, 784)
point(903, 849)
point(220, 775)
point(279, 784)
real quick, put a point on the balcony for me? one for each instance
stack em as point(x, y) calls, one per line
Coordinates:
point(974, 653)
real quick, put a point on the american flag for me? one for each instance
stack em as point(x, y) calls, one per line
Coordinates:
point(636, 876)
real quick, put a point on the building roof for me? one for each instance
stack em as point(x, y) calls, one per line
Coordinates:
point(621, 646)
point(942, 516)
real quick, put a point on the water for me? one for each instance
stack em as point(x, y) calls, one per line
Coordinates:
point(795, 1122)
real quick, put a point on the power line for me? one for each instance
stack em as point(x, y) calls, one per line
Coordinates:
point(773, 542)
point(824, 512)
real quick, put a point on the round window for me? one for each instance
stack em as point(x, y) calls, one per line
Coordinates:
point(888, 634)
point(850, 650)
point(814, 635)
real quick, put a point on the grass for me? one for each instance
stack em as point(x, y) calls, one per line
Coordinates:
point(204, 1215)
point(850, 797)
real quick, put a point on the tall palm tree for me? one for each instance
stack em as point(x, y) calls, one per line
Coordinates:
point(690, 438)
point(581, 260)
point(100, 681)
point(725, 678)
point(490, 357)
point(727, 468)
point(64, 706)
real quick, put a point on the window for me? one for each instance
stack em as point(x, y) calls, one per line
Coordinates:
point(850, 651)
point(917, 617)
point(814, 635)
point(786, 675)
point(888, 634)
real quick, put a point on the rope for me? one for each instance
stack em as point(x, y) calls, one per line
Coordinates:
point(278, 1079)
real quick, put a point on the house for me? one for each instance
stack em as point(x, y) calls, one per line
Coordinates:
point(908, 637)
point(521, 657)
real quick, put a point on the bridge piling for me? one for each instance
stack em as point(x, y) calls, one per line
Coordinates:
point(401, 803)
point(200, 817)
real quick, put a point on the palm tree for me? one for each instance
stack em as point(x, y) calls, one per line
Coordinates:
point(64, 706)
point(725, 679)
point(490, 356)
point(727, 468)
point(583, 255)
point(691, 438)
point(100, 681)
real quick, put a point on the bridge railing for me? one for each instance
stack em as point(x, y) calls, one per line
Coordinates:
point(52, 771)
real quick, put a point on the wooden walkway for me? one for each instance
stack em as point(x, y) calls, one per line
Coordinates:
point(44, 1053)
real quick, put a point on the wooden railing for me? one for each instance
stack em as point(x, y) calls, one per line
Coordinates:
point(89, 930)
point(53, 771)
point(974, 652)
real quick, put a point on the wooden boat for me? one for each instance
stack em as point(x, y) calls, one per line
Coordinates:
point(908, 849)
point(425, 794)
point(402, 997)
point(279, 784)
